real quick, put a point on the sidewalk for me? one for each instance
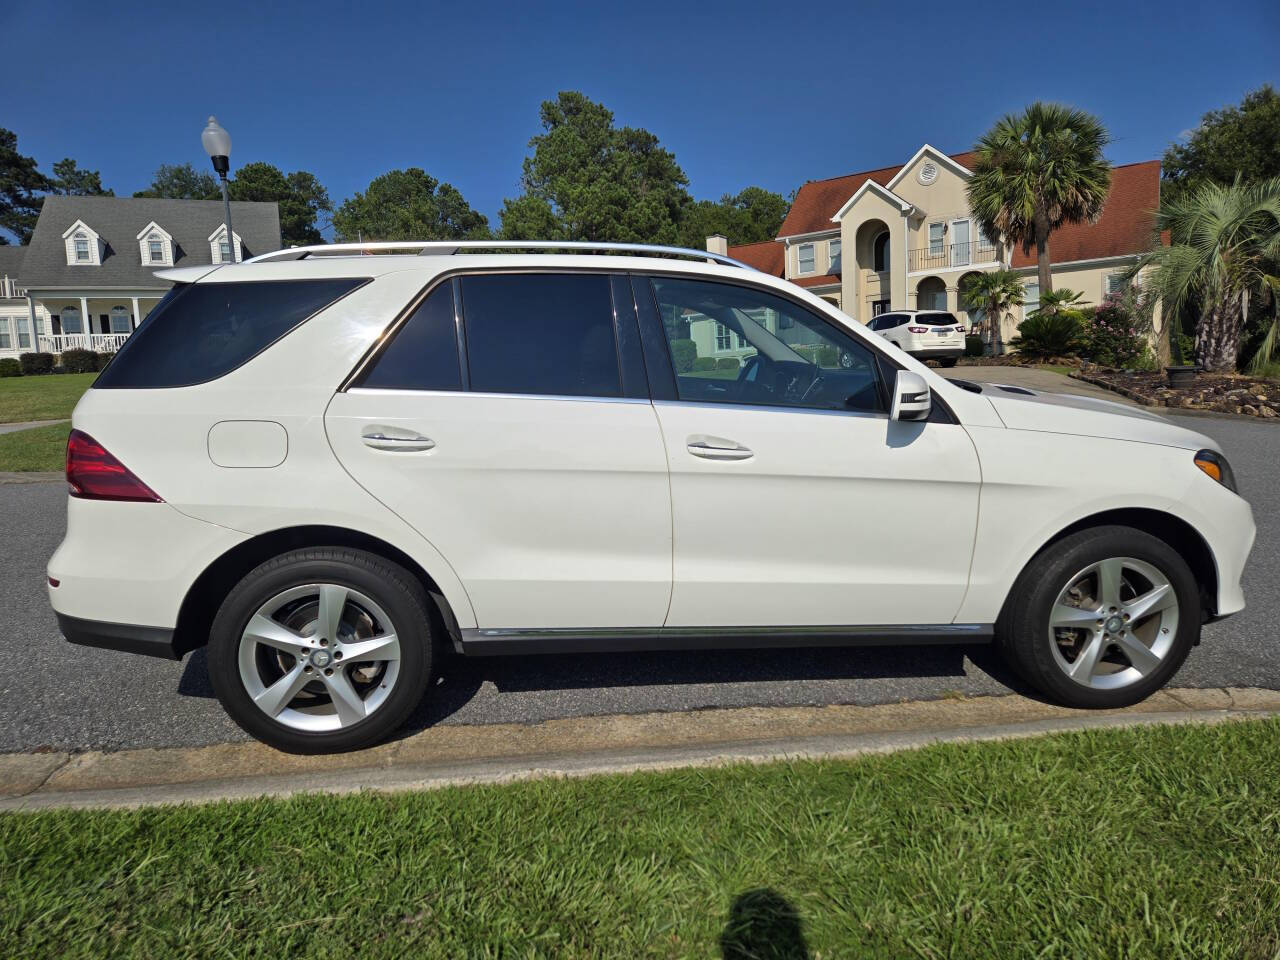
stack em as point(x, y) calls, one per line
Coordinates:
point(575, 747)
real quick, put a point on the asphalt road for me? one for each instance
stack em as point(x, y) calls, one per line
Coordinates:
point(53, 694)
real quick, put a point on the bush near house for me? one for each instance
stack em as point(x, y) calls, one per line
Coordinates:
point(728, 363)
point(683, 353)
point(79, 361)
point(103, 360)
point(973, 346)
point(36, 363)
point(1116, 334)
point(10, 367)
point(703, 364)
point(1047, 335)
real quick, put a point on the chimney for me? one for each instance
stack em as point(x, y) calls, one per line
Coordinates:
point(718, 244)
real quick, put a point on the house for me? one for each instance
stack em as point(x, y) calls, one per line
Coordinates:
point(15, 318)
point(902, 237)
point(87, 278)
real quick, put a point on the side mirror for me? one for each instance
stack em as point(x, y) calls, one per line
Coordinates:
point(911, 399)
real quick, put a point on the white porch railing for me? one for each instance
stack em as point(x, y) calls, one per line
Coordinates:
point(97, 342)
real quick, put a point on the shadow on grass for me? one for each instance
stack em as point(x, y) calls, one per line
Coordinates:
point(763, 925)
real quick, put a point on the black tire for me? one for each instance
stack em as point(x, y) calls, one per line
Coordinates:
point(1022, 631)
point(387, 584)
point(949, 361)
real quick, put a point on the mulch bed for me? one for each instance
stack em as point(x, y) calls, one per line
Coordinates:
point(1013, 360)
point(1221, 392)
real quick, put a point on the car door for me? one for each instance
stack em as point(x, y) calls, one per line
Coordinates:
point(796, 501)
point(508, 421)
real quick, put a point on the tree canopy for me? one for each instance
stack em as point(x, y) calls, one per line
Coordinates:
point(20, 186)
point(1037, 170)
point(70, 181)
point(409, 205)
point(1243, 140)
point(303, 201)
point(588, 179)
point(182, 181)
point(752, 215)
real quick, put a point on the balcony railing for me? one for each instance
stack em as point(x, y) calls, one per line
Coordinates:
point(97, 342)
point(9, 289)
point(948, 256)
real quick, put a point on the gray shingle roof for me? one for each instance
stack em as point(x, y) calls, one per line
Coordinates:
point(11, 259)
point(119, 220)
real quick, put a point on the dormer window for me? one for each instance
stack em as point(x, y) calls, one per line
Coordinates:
point(84, 246)
point(220, 251)
point(155, 250)
point(155, 246)
point(224, 251)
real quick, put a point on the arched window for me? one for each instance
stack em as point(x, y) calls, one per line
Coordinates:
point(71, 320)
point(880, 252)
point(120, 320)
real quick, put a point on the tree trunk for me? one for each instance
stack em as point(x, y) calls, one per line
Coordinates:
point(1045, 275)
point(1218, 335)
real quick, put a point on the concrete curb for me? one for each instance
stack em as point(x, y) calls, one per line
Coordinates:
point(1135, 397)
point(573, 747)
point(34, 476)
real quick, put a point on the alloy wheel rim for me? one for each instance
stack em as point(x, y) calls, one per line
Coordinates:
point(319, 657)
point(1113, 623)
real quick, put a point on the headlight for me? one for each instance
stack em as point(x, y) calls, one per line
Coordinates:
point(1215, 465)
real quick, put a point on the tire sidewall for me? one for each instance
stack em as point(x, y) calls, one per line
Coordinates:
point(389, 588)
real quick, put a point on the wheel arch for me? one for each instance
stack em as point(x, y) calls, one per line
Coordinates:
point(1172, 529)
point(206, 593)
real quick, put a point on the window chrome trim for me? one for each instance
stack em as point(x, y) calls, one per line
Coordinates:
point(719, 405)
point(398, 391)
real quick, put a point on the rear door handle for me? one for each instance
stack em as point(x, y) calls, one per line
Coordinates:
point(715, 448)
point(394, 439)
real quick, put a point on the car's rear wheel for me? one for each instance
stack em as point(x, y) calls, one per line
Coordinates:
point(321, 650)
point(1102, 618)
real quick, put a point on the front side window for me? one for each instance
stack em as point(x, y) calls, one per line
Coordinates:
point(793, 358)
point(201, 331)
point(424, 353)
point(541, 333)
point(804, 257)
point(82, 249)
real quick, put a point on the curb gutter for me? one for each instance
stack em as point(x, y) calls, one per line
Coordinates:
point(576, 747)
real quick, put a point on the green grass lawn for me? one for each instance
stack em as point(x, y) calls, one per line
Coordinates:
point(1152, 842)
point(49, 397)
point(40, 448)
point(1061, 368)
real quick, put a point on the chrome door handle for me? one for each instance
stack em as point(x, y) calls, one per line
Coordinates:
point(400, 444)
point(719, 450)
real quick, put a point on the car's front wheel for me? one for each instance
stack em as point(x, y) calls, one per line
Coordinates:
point(321, 650)
point(1102, 618)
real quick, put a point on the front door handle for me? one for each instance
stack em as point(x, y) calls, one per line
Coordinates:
point(716, 448)
point(397, 440)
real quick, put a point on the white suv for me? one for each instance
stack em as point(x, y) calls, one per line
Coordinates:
point(332, 469)
point(925, 334)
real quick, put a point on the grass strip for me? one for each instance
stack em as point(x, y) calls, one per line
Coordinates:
point(40, 448)
point(1147, 842)
point(49, 397)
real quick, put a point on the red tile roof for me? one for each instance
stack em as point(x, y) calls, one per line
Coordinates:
point(819, 200)
point(767, 256)
point(1125, 227)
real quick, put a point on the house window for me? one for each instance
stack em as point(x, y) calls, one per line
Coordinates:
point(71, 320)
point(936, 232)
point(1031, 296)
point(24, 336)
point(155, 250)
point(878, 307)
point(805, 257)
point(224, 252)
point(1116, 283)
point(82, 248)
point(880, 252)
point(120, 320)
point(723, 340)
point(833, 248)
point(5, 342)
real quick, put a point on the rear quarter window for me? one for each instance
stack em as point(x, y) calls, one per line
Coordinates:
point(203, 331)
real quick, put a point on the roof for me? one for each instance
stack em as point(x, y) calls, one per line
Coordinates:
point(1126, 226)
point(11, 260)
point(768, 256)
point(818, 200)
point(118, 221)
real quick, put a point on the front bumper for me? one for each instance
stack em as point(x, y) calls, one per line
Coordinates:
point(130, 638)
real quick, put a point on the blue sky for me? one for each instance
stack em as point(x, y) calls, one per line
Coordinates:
point(743, 93)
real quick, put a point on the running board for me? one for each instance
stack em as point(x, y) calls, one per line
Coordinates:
point(488, 643)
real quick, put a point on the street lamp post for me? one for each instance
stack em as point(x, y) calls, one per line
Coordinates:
point(217, 143)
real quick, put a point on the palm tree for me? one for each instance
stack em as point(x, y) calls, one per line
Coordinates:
point(1035, 171)
point(995, 293)
point(1224, 244)
point(1056, 300)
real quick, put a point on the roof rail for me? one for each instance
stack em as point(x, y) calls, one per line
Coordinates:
point(429, 248)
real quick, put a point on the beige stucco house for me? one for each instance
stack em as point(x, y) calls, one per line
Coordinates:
point(902, 237)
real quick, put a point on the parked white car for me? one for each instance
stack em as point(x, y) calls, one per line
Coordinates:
point(333, 468)
point(925, 334)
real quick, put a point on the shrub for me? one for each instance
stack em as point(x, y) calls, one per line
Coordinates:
point(728, 363)
point(1044, 335)
point(1115, 336)
point(34, 364)
point(103, 360)
point(703, 364)
point(683, 353)
point(79, 361)
point(827, 356)
point(10, 367)
point(973, 346)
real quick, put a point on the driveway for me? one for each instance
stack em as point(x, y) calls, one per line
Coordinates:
point(53, 694)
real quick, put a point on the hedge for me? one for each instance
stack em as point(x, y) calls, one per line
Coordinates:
point(10, 367)
point(683, 353)
point(727, 363)
point(79, 361)
point(36, 363)
point(973, 346)
point(103, 360)
point(701, 364)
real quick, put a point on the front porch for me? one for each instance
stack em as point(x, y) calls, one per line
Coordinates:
point(100, 321)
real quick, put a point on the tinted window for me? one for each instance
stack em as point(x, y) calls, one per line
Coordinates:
point(541, 333)
point(733, 344)
point(205, 330)
point(937, 319)
point(424, 353)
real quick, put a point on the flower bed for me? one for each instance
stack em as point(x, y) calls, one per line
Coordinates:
point(1221, 392)
point(1016, 360)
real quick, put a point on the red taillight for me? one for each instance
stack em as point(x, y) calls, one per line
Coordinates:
point(94, 474)
point(917, 329)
